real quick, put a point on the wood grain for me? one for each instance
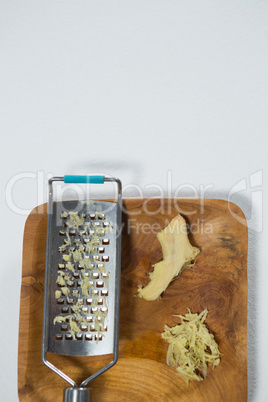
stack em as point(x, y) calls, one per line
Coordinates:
point(218, 281)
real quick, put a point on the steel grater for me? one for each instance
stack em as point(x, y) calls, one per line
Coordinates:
point(82, 282)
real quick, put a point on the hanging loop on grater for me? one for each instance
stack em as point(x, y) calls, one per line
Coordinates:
point(82, 279)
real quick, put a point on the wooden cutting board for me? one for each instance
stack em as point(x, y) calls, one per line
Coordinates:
point(218, 281)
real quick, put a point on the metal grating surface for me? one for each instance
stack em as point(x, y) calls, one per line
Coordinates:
point(82, 277)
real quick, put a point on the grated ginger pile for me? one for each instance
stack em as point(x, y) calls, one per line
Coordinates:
point(191, 347)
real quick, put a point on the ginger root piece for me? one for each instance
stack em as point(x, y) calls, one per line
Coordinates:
point(177, 254)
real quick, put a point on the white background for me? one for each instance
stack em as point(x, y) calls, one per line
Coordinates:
point(155, 92)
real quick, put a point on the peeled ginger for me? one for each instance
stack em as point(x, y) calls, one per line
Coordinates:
point(177, 254)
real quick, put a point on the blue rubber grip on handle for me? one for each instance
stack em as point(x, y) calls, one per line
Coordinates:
point(83, 179)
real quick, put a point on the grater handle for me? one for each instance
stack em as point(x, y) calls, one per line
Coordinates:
point(76, 395)
point(84, 179)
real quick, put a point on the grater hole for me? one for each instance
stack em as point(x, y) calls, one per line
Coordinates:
point(95, 275)
point(105, 328)
point(100, 302)
point(89, 318)
point(84, 310)
point(61, 266)
point(100, 266)
point(95, 292)
point(82, 233)
point(105, 241)
point(80, 301)
point(76, 292)
point(76, 275)
point(64, 327)
point(58, 337)
point(104, 292)
point(68, 337)
point(96, 258)
point(60, 300)
point(84, 327)
point(65, 310)
point(77, 241)
point(104, 309)
point(88, 337)
point(91, 266)
point(92, 232)
point(92, 328)
point(70, 301)
point(94, 310)
point(79, 337)
point(71, 249)
point(96, 224)
point(101, 250)
point(106, 224)
point(92, 216)
point(105, 258)
point(98, 337)
point(101, 216)
point(100, 284)
point(72, 232)
point(86, 240)
point(89, 301)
